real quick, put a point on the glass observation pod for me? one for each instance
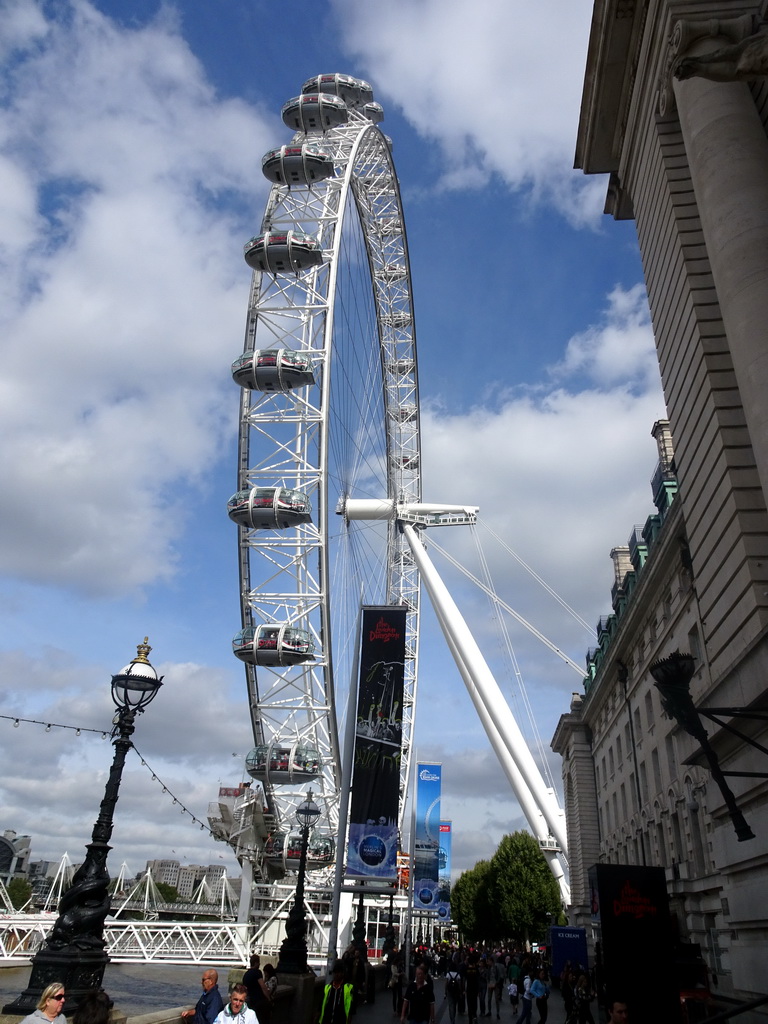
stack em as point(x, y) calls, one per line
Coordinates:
point(397, 319)
point(401, 367)
point(391, 274)
point(269, 508)
point(280, 252)
point(374, 112)
point(284, 850)
point(315, 112)
point(389, 226)
point(273, 643)
point(403, 413)
point(407, 461)
point(297, 165)
point(354, 91)
point(283, 763)
point(272, 369)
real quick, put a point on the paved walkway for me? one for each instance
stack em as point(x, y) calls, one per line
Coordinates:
point(381, 1012)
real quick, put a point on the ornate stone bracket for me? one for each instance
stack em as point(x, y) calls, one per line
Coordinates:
point(745, 57)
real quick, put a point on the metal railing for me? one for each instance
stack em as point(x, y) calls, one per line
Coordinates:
point(171, 942)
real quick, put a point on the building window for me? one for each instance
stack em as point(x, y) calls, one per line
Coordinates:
point(643, 783)
point(624, 813)
point(649, 709)
point(638, 727)
point(656, 768)
point(681, 853)
point(669, 743)
point(611, 765)
point(661, 843)
point(619, 758)
point(694, 645)
point(715, 949)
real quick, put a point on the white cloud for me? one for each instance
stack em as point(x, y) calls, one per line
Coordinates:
point(23, 25)
point(124, 293)
point(496, 85)
point(188, 738)
point(618, 351)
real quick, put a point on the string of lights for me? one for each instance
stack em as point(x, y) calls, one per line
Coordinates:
point(184, 810)
point(77, 729)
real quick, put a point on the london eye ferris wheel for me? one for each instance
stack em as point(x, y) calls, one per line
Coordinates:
point(329, 410)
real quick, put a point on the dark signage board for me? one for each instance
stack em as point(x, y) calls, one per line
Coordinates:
point(374, 807)
point(630, 912)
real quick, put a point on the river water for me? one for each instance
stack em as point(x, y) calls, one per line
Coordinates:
point(135, 988)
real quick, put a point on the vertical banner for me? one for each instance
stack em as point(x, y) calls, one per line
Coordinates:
point(426, 856)
point(373, 824)
point(443, 901)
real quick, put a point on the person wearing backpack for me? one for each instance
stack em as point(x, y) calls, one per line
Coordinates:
point(454, 991)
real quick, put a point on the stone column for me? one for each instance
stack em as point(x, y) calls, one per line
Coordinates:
point(727, 152)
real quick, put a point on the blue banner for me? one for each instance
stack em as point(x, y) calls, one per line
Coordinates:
point(426, 855)
point(443, 901)
point(373, 814)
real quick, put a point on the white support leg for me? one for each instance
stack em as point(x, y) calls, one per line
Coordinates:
point(487, 689)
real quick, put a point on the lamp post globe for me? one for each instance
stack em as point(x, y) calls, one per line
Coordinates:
point(293, 952)
point(308, 812)
point(137, 684)
point(74, 952)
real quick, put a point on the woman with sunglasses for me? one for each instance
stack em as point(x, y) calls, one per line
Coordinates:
point(50, 1006)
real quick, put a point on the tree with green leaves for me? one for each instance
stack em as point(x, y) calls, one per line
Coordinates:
point(512, 896)
point(469, 904)
point(522, 889)
point(19, 892)
point(169, 892)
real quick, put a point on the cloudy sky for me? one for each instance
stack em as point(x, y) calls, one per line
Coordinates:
point(131, 137)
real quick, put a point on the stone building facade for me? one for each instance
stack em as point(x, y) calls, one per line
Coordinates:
point(688, 160)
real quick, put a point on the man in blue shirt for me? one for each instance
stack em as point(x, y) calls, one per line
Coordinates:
point(209, 1005)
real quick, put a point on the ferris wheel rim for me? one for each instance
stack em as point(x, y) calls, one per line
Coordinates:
point(403, 464)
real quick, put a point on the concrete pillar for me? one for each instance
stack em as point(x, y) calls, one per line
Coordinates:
point(727, 152)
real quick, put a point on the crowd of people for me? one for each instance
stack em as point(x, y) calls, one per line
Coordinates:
point(479, 982)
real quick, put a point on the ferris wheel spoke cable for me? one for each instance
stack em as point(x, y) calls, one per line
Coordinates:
point(532, 572)
point(508, 652)
point(523, 622)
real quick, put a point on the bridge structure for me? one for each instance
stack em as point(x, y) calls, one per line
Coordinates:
point(170, 942)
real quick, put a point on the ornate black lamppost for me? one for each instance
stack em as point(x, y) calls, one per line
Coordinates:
point(388, 946)
point(74, 952)
point(358, 929)
point(672, 676)
point(293, 952)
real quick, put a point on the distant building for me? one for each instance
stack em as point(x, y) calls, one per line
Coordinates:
point(14, 855)
point(688, 160)
point(188, 880)
point(166, 871)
